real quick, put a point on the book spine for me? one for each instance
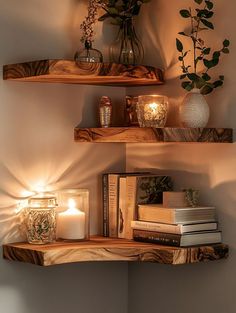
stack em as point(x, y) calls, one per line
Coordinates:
point(131, 184)
point(122, 207)
point(157, 227)
point(158, 238)
point(113, 180)
point(105, 205)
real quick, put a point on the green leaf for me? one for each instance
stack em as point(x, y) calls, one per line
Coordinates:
point(206, 90)
point(179, 45)
point(209, 5)
point(187, 85)
point(207, 23)
point(206, 51)
point(192, 76)
point(183, 76)
point(216, 55)
point(226, 43)
point(221, 77)
point(181, 58)
point(206, 77)
point(225, 50)
point(185, 13)
point(198, 1)
point(218, 83)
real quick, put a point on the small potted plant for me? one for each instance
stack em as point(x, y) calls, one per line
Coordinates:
point(196, 75)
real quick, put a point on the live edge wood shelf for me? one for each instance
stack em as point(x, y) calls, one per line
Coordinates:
point(106, 249)
point(66, 71)
point(152, 135)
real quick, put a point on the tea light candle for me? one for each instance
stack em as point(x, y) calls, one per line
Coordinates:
point(151, 111)
point(71, 223)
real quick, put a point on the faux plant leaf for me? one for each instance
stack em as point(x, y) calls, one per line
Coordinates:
point(187, 86)
point(226, 43)
point(206, 90)
point(179, 45)
point(192, 76)
point(225, 50)
point(182, 33)
point(206, 77)
point(185, 13)
point(209, 5)
point(216, 55)
point(198, 1)
point(207, 23)
point(218, 83)
point(206, 51)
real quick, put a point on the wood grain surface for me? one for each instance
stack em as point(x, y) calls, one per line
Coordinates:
point(152, 135)
point(67, 71)
point(106, 249)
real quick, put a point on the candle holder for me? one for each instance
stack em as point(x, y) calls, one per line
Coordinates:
point(41, 219)
point(152, 110)
point(73, 214)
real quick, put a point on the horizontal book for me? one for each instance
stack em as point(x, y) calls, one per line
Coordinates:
point(159, 214)
point(173, 228)
point(184, 240)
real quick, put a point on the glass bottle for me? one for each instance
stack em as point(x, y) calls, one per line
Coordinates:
point(41, 219)
point(127, 48)
point(88, 54)
point(105, 112)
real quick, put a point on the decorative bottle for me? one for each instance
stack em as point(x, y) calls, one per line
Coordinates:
point(105, 112)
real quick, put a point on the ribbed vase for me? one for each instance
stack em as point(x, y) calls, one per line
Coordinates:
point(194, 111)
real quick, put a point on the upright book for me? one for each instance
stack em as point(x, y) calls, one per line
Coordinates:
point(110, 191)
point(184, 240)
point(159, 214)
point(142, 190)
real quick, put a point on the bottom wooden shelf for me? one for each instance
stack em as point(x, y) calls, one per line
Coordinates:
point(107, 249)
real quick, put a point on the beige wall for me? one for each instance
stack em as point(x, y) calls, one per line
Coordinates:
point(37, 147)
point(211, 168)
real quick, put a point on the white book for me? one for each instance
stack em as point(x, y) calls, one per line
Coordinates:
point(173, 228)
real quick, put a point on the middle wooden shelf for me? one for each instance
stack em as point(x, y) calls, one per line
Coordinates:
point(153, 135)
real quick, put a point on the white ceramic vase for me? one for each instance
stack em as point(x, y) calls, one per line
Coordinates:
point(194, 111)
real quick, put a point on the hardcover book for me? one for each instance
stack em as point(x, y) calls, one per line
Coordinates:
point(184, 240)
point(173, 228)
point(111, 214)
point(143, 190)
point(159, 214)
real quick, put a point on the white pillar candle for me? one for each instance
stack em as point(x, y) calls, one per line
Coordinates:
point(71, 223)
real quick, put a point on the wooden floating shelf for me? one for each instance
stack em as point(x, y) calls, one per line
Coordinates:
point(106, 249)
point(66, 71)
point(153, 135)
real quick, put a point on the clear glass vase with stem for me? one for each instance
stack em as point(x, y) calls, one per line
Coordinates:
point(127, 48)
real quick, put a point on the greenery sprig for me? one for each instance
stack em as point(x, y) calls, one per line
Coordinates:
point(200, 21)
point(120, 10)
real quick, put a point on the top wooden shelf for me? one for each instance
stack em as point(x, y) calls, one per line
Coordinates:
point(66, 71)
point(107, 249)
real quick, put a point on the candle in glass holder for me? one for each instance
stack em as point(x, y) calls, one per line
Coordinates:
point(152, 110)
point(71, 223)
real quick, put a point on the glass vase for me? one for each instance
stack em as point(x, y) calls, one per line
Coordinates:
point(127, 48)
point(88, 54)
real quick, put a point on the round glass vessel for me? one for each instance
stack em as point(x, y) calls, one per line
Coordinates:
point(41, 219)
point(152, 110)
point(88, 54)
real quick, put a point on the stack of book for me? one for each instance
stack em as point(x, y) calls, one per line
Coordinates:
point(123, 192)
point(176, 226)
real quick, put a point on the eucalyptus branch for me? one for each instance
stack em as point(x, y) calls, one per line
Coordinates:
point(199, 21)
